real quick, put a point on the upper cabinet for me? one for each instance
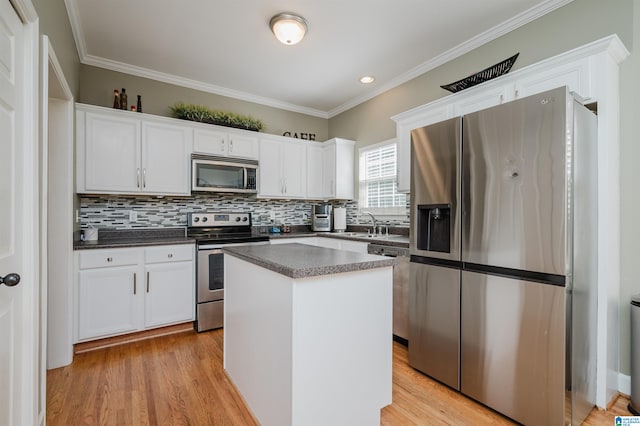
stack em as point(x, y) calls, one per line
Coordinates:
point(282, 168)
point(119, 152)
point(550, 74)
point(226, 144)
point(338, 169)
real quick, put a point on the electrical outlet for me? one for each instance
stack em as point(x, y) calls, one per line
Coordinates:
point(77, 216)
point(272, 215)
point(133, 215)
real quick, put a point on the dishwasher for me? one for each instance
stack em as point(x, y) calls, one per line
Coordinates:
point(400, 288)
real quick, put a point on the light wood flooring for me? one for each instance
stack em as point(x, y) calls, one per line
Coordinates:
point(179, 380)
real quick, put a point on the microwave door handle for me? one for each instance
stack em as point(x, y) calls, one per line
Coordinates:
point(244, 178)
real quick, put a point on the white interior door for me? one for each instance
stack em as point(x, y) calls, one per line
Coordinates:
point(15, 385)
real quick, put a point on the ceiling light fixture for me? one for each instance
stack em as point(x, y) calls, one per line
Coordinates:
point(289, 28)
point(367, 79)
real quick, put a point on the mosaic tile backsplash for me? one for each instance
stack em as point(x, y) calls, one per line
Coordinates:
point(112, 212)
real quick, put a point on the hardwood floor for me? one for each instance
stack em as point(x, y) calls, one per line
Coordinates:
point(179, 380)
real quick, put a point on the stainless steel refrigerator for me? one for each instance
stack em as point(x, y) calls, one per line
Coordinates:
point(504, 257)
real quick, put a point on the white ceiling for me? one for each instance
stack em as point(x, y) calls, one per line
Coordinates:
point(226, 47)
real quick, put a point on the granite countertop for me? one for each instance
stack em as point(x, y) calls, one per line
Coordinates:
point(301, 261)
point(135, 238)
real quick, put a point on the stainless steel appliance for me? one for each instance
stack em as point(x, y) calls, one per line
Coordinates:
point(213, 231)
point(222, 174)
point(321, 218)
point(503, 256)
point(400, 287)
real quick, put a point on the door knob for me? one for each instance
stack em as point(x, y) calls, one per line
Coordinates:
point(10, 280)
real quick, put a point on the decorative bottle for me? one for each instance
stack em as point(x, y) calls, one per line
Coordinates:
point(139, 103)
point(123, 99)
point(116, 99)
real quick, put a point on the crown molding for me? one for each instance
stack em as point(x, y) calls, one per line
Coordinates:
point(197, 85)
point(76, 28)
point(465, 47)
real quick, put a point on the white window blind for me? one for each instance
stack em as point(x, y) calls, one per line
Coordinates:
point(378, 185)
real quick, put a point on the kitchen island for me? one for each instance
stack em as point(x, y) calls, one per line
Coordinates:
point(308, 333)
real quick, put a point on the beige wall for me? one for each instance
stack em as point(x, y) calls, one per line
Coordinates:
point(54, 22)
point(97, 86)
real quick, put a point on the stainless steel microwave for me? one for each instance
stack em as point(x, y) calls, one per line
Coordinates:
point(222, 174)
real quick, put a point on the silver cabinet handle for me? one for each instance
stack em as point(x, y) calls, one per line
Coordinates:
point(138, 178)
point(135, 284)
point(222, 145)
point(10, 280)
point(231, 145)
point(147, 281)
point(170, 255)
point(144, 178)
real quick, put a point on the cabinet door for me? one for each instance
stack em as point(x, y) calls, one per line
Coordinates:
point(329, 169)
point(576, 75)
point(343, 169)
point(165, 158)
point(108, 301)
point(315, 170)
point(210, 142)
point(294, 161)
point(243, 146)
point(270, 171)
point(111, 154)
point(169, 293)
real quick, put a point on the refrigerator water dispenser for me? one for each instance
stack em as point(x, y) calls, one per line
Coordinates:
point(434, 227)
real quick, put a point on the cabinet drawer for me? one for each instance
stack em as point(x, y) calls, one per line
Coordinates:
point(108, 258)
point(163, 254)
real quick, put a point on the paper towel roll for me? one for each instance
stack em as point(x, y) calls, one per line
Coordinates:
point(339, 219)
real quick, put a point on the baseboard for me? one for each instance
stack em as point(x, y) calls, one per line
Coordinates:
point(624, 384)
point(95, 345)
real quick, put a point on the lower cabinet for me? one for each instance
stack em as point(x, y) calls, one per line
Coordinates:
point(120, 291)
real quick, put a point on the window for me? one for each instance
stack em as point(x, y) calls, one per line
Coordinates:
point(378, 185)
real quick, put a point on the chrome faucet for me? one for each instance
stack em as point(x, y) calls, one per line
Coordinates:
point(373, 221)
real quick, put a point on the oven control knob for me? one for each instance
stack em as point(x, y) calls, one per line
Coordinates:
point(204, 219)
point(244, 219)
point(237, 218)
point(196, 219)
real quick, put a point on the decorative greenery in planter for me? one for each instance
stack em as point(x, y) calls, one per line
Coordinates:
point(203, 114)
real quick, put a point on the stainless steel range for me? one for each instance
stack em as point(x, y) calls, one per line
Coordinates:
point(213, 231)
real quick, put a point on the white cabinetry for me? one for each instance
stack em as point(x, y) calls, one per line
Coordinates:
point(108, 152)
point(550, 74)
point(169, 296)
point(125, 290)
point(330, 169)
point(316, 188)
point(119, 152)
point(226, 144)
point(282, 168)
point(166, 150)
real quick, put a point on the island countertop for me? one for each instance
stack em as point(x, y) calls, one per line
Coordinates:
point(300, 260)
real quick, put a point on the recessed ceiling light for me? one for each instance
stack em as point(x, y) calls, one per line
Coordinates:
point(367, 79)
